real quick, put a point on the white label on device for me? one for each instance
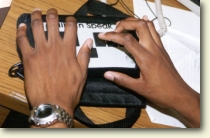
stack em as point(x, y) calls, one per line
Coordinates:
point(108, 54)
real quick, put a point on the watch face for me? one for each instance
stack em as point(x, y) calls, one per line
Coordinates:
point(44, 111)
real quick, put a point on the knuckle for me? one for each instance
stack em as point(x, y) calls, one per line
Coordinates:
point(52, 16)
point(85, 53)
point(28, 60)
point(119, 23)
point(142, 23)
point(150, 23)
point(21, 38)
point(27, 56)
point(74, 78)
point(110, 36)
point(36, 22)
point(71, 23)
point(128, 38)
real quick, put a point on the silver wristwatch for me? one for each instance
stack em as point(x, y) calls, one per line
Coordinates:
point(47, 114)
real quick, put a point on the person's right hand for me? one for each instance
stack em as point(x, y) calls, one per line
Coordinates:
point(159, 81)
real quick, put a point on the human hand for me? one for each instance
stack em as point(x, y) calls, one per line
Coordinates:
point(53, 73)
point(159, 81)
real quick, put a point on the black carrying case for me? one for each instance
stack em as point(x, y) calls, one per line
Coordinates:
point(98, 92)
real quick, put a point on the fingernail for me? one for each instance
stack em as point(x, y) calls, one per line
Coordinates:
point(22, 24)
point(117, 23)
point(90, 43)
point(36, 9)
point(109, 76)
point(103, 33)
point(145, 18)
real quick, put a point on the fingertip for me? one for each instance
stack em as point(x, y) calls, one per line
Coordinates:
point(109, 76)
point(90, 43)
point(120, 79)
point(21, 29)
point(117, 23)
point(117, 26)
point(145, 17)
point(21, 25)
point(36, 9)
point(101, 34)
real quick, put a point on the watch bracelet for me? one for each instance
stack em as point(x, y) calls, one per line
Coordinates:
point(65, 118)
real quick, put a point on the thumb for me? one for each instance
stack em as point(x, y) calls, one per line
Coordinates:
point(122, 80)
point(83, 56)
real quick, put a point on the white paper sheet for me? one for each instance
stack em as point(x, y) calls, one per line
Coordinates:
point(182, 42)
point(5, 3)
point(4, 8)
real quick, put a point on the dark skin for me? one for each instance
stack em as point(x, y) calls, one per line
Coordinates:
point(55, 74)
point(158, 77)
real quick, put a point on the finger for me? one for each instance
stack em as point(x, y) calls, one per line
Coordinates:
point(156, 38)
point(129, 42)
point(83, 56)
point(142, 31)
point(129, 18)
point(130, 24)
point(145, 17)
point(122, 80)
point(70, 34)
point(37, 28)
point(52, 26)
point(125, 25)
point(22, 40)
point(155, 34)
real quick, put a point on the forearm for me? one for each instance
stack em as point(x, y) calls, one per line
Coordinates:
point(188, 108)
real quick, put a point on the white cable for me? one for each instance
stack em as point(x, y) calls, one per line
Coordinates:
point(160, 17)
point(104, 1)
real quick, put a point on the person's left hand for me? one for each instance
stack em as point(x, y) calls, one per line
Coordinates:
point(53, 72)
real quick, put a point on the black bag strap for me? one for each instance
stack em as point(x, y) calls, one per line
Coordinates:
point(132, 114)
point(97, 8)
point(92, 98)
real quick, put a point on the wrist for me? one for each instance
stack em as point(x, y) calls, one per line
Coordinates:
point(56, 125)
point(50, 116)
point(65, 106)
